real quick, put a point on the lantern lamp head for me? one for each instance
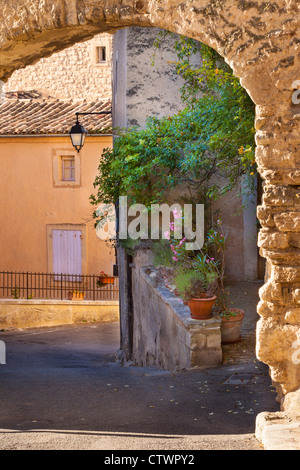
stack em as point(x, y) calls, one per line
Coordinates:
point(78, 134)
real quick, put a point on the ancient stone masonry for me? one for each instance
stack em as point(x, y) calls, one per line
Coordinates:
point(261, 42)
point(75, 73)
point(278, 158)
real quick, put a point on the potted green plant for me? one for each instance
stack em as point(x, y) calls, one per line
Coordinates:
point(195, 289)
point(232, 318)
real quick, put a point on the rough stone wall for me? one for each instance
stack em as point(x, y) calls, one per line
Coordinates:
point(260, 41)
point(70, 74)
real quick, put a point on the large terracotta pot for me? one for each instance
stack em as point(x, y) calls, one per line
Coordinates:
point(231, 327)
point(201, 309)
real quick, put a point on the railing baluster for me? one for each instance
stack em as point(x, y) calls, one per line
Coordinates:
point(54, 286)
point(61, 287)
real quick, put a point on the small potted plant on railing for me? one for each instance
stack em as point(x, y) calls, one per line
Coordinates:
point(104, 279)
point(76, 295)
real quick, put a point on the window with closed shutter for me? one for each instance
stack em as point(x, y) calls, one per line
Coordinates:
point(67, 255)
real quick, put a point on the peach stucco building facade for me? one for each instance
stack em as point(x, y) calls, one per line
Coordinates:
point(47, 233)
point(50, 248)
point(45, 183)
point(35, 201)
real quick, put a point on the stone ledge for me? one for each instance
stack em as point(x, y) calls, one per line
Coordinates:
point(56, 302)
point(39, 313)
point(277, 431)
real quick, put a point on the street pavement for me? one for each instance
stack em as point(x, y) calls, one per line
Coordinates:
point(62, 388)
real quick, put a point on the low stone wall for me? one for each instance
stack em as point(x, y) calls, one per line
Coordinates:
point(39, 313)
point(164, 334)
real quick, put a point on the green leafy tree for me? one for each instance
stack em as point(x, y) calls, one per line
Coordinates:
point(211, 140)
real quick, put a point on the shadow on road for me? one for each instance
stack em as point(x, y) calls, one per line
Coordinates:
point(67, 379)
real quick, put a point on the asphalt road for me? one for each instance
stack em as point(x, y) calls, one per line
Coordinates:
point(63, 389)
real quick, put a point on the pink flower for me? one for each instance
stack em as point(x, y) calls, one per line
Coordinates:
point(167, 235)
point(174, 258)
point(176, 214)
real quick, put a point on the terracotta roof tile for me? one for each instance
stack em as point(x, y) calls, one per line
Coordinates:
point(27, 113)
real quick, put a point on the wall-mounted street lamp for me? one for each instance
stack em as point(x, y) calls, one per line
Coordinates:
point(78, 133)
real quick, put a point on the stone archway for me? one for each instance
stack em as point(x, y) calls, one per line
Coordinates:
point(259, 41)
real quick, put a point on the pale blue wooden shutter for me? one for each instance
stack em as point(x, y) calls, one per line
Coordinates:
point(67, 252)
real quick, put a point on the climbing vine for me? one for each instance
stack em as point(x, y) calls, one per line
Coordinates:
point(207, 146)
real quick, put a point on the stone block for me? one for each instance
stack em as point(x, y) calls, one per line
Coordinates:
point(272, 239)
point(286, 274)
point(280, 176)
point(293, 316)
point(288, 221)
point(294, 239)
point(279, 257)
point(213, 338)
point(271, 157)
point(281, 195)
point(267, 309)
point(296, 295)
point(206, 357)
point(271, 291)
point(198, 340)
point(276, 346)
point(265, 216)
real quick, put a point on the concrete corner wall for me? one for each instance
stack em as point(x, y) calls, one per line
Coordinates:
point(164, 334)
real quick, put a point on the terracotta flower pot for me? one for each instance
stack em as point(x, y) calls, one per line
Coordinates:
point(201, 309)
point(106, 280)
point(102, 281)
point(231, 327)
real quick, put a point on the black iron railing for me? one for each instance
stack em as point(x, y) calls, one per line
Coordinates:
point(30, 285)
